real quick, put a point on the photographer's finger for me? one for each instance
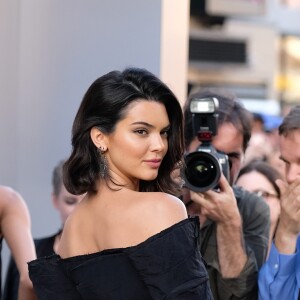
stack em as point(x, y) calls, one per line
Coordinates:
point(198, 198)
point(223, 183)
point(224, 187)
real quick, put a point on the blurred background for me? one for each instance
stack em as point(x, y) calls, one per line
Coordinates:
point(52, 50)
point(251, 47)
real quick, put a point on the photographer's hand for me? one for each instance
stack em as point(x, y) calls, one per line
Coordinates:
point(289, 223)
point(221, 207)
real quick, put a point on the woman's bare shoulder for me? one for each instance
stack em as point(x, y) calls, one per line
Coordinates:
point(164, 199)
point(9, 194)
point(10, 198)
point(74, 229)
point(163, 209)
point(131, 220)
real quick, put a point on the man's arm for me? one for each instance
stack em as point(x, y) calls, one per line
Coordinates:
point(16, 230)
point(231, 250)
point(254, 214)
point(222, 208)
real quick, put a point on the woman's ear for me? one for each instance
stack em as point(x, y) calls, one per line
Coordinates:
point(98, 138)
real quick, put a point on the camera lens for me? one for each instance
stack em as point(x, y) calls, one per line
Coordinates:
point(202, 171)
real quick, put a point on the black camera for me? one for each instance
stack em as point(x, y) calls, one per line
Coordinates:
point(204, 167)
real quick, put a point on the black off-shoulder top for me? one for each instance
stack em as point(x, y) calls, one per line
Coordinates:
point(168, 265)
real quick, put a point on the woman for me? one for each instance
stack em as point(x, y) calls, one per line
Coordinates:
point(260, 177)
point(130, 237)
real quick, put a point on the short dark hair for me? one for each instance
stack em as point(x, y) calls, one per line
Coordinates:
point(265, 169)
point(103, 106)
point(291, 121)
point(57, 178)
point(230, 110)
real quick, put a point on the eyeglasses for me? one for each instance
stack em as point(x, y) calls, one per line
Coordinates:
point(265, 194)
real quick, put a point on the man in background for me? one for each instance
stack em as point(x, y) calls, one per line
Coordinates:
point(279, 278)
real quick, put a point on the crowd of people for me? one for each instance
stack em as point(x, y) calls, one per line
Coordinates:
point(131, 225)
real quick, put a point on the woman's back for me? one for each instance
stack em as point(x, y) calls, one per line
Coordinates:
point(118, 219)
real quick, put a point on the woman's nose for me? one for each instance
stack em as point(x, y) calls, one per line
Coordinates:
point(158, 143)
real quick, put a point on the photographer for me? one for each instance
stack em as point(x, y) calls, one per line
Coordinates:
point(234, 223)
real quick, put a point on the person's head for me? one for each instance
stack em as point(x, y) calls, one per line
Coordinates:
point(289, 143)
point(234, 128)
point(260, 177)
point(63, 201)
point(258, 123)
point(127, 131)
point(264, 179)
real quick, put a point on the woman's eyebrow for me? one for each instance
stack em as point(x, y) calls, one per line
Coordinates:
point(142, 123)
point(149, 125)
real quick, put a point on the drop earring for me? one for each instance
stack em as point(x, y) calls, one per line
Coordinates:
point(103, 162)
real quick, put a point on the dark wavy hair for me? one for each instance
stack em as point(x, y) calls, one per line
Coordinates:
point(230, 110)
point(103, 106)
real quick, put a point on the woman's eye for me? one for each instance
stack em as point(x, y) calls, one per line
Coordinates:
point(141, 131)
point(165, 133)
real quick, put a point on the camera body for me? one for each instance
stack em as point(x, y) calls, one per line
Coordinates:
point(203, 168)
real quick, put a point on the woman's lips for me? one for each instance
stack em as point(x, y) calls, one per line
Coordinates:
point(153, 163)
